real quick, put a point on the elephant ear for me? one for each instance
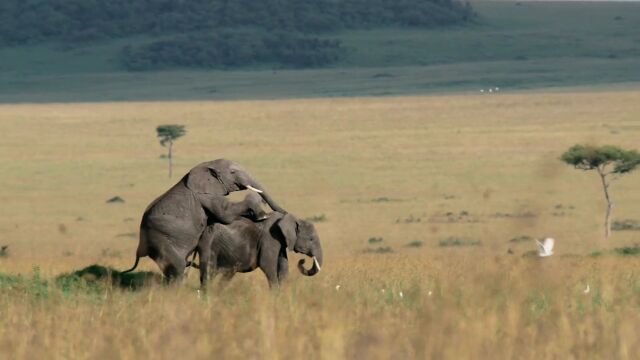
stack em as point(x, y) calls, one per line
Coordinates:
point(289, 227)
point(203, 179)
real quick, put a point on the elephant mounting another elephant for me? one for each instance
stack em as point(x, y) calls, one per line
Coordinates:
point(172, 226)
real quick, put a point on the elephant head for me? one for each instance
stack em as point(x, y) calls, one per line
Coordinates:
point(301, 237)
point(223, 176)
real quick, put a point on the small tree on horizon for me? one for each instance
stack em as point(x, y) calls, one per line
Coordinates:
point(168, 134)
point(610, 162)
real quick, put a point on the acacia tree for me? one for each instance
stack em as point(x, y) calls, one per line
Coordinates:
point(168, 134)
point(610, 162)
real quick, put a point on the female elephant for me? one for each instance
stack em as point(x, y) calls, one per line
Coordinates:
point(172, 224)
point(244, 245)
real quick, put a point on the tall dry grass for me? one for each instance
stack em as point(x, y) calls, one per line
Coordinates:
point(404, 169)
point(504, 307)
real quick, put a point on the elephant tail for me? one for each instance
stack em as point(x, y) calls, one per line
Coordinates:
point(135, 265)
point(141, 251)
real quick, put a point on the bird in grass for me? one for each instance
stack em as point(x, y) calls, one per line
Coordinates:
point(545, 248)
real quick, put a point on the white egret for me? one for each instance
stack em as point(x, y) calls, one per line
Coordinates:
point(545, 248)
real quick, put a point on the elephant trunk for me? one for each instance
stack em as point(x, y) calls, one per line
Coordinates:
point(317, 264)
point(254, 185)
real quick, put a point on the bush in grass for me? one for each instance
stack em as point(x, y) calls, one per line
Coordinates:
point(521, 238)
point(415, 243)
point(317, 218)
point(375, 240)
point(379, 250)
point(455, 241)
point(626, 225)
point(96, 278)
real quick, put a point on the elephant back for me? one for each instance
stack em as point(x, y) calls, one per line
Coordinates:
point(177, 212)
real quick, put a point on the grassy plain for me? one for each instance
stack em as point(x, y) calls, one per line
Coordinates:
point(404, 169)
point(513, 45)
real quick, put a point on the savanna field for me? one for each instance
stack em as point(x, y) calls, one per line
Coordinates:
point(390, 183)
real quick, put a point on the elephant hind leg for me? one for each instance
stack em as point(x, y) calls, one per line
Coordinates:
point(207, 255)
point(168, 260)
point(172, 267)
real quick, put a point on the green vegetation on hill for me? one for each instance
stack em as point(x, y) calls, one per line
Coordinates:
point(511, 45)
point(232, 49)
point(24, 21)
point(213, 25)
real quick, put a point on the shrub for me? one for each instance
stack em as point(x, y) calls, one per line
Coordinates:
point(375, 240)
point(521, 238)
point(415, 243)
point(95, 278)
point(627, 251)
point(317, 218)
point(626, 225)
point(380, 250)
point(111, 253)
point(621, 251)
point(454, 241)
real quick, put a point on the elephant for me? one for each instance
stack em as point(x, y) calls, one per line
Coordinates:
point(244, 245)
point(172, 224)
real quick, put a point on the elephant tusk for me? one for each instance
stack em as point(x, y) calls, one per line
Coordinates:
point(254, 189)
point(316, 262)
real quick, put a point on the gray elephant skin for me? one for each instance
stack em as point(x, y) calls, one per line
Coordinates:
point(244, 245)
point(173, 223)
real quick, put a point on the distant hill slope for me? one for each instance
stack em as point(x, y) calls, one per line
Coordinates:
point(510, 45)
point(218, 33)
point(24, 21)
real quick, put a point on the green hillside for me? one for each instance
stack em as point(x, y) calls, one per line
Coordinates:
point(220, 34)
point(511, 45)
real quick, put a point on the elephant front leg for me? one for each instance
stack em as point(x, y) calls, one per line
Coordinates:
point(226, 212)
point(272, 278)
point(268, 262)
point(283, 266)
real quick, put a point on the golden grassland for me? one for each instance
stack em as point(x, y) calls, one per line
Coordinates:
point(480, 168)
